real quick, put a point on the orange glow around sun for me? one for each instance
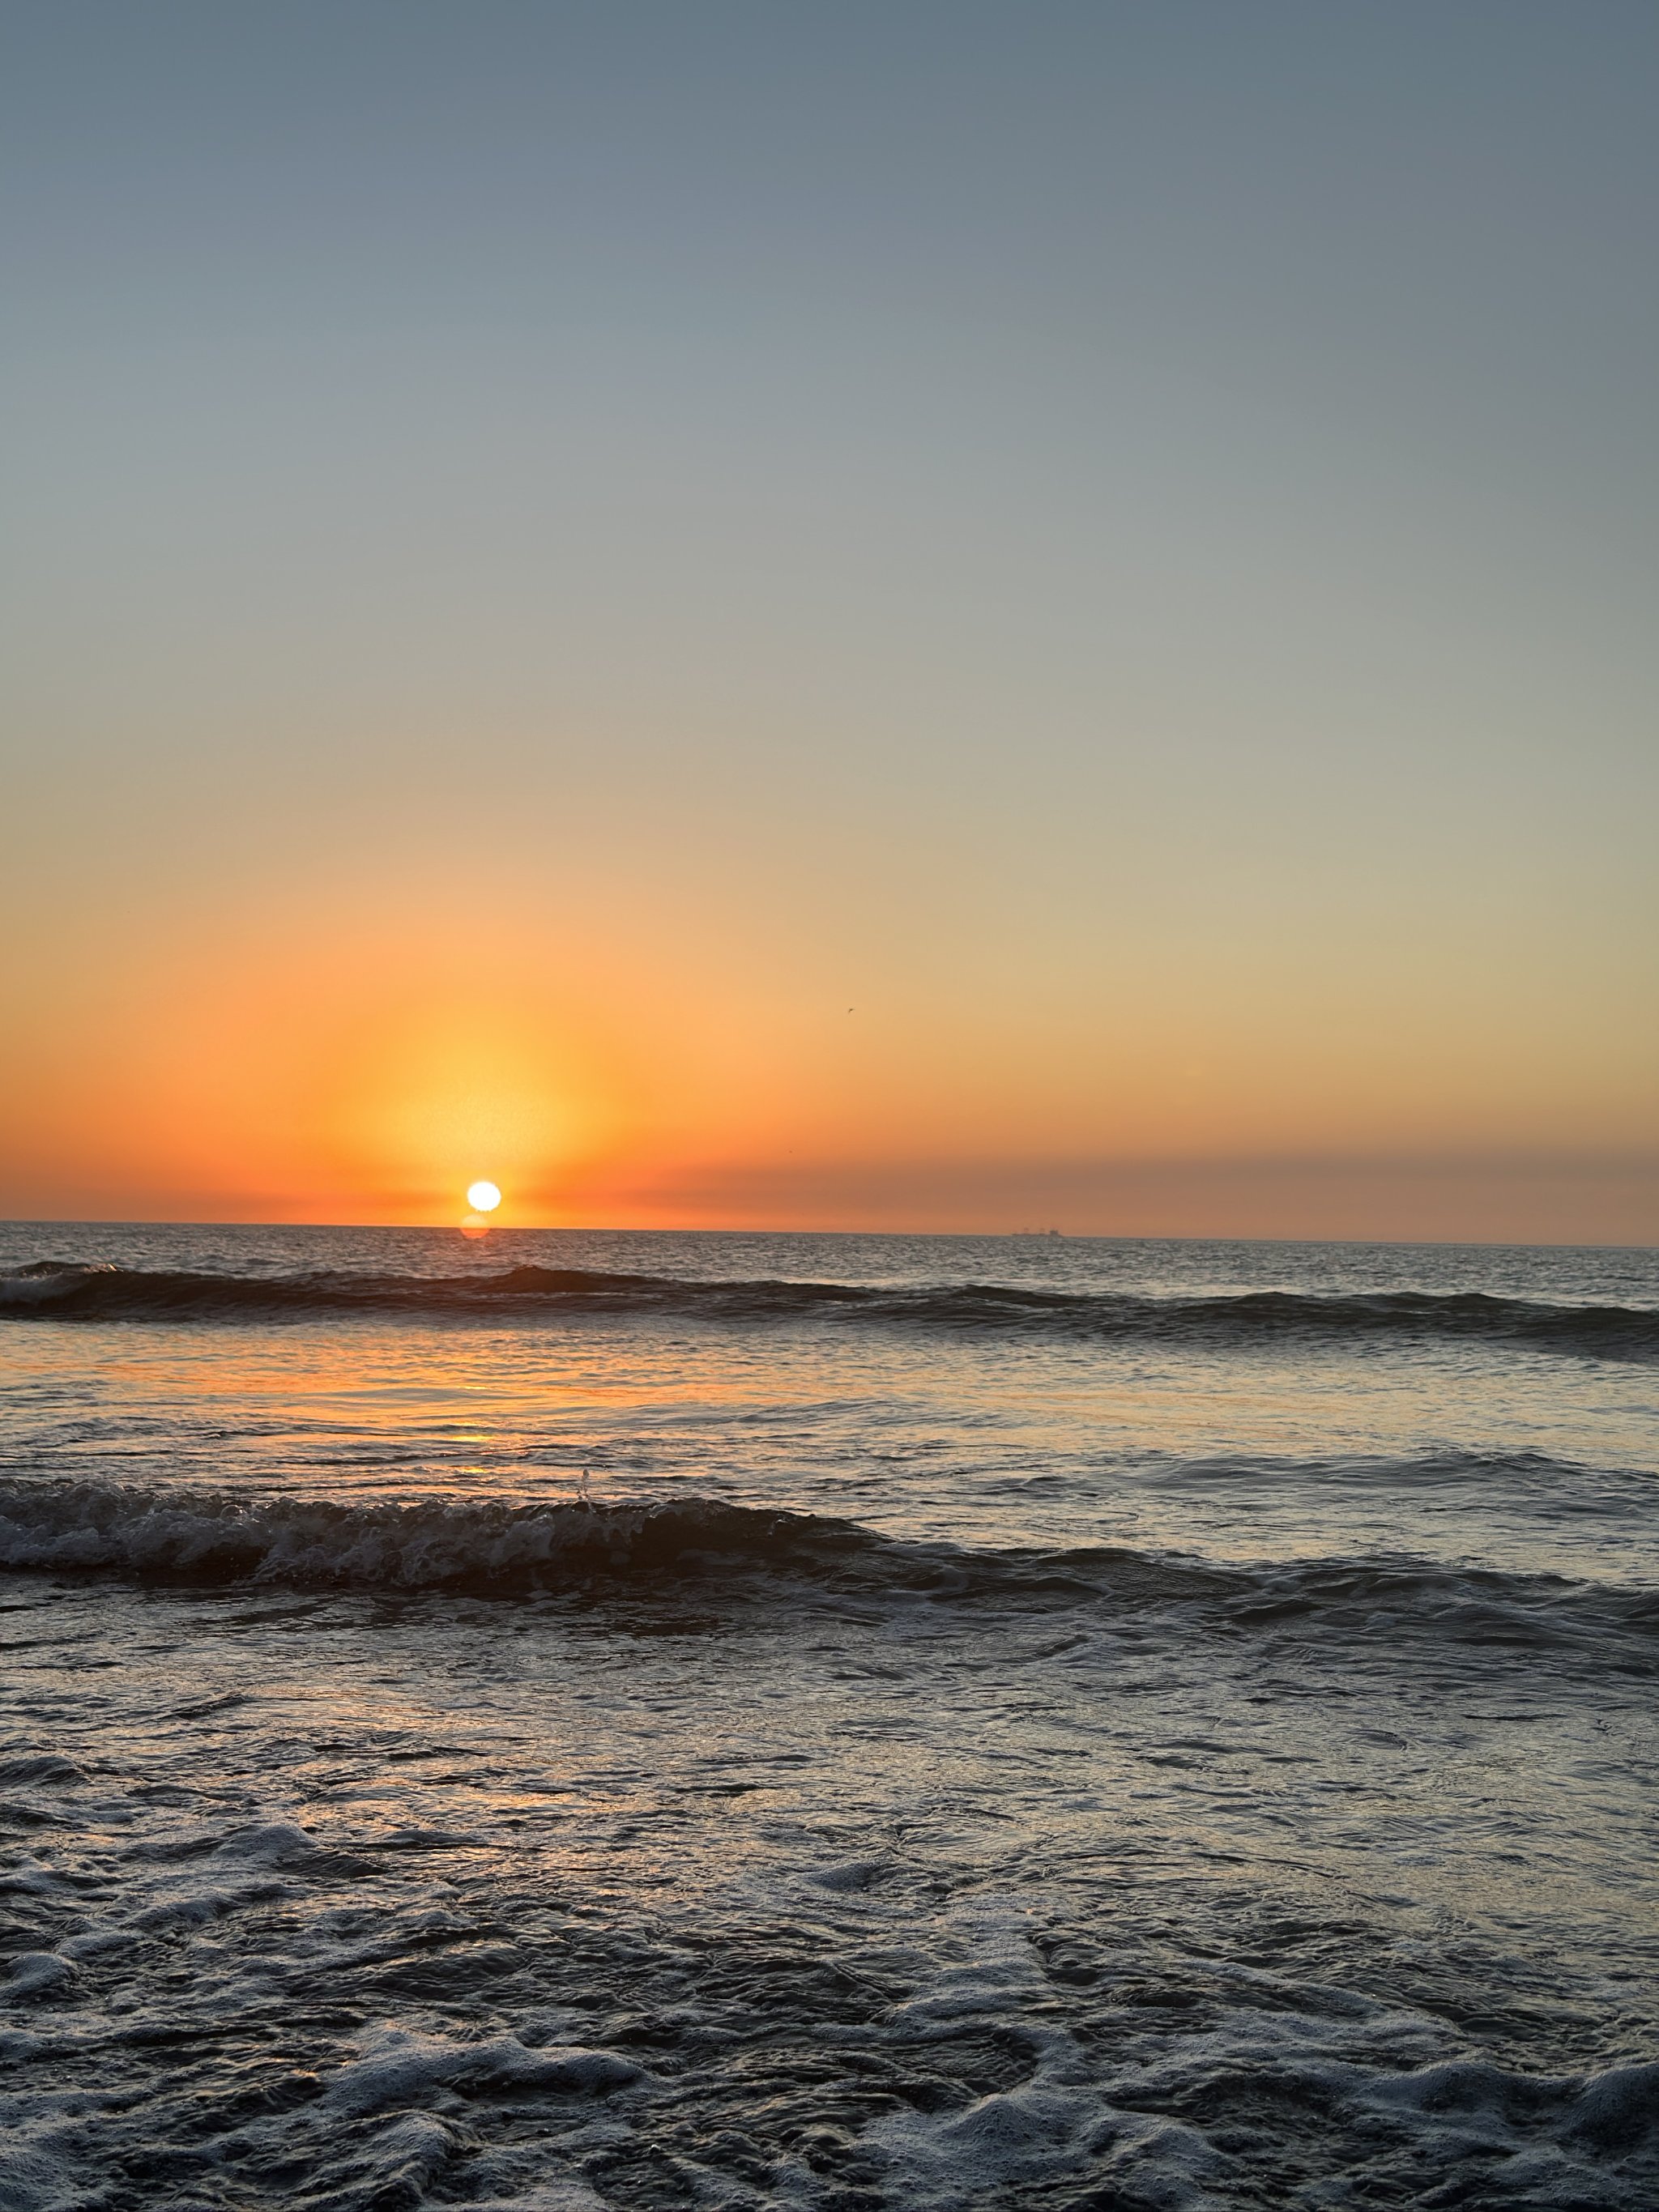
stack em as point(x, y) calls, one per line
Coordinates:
point(311, 1057)
point(372, 1063)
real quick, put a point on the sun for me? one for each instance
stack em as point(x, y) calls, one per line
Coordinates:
point(482, 1197)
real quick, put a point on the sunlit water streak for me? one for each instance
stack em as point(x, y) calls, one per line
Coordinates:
point(730, 1749)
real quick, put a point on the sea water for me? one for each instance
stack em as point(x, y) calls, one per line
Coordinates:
point(561, 1720)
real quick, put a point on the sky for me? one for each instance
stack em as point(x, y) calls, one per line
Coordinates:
point(909, 616)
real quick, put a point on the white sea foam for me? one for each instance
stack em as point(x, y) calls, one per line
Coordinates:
point(397, 2067)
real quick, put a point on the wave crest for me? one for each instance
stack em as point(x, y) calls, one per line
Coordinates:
point(98, 1291)
point(730, 1553)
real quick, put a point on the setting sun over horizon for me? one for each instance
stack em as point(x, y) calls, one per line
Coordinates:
point(327, 1060)
point(1006, 690)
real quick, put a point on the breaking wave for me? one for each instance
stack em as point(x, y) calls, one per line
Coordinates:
point(58, 1290)
point(729, 1552)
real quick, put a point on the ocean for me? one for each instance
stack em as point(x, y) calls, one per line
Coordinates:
point(561, 1720)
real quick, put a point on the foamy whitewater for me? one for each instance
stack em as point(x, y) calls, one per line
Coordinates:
point(562, 1721)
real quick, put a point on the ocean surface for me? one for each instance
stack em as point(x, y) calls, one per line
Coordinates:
point(561, 1720)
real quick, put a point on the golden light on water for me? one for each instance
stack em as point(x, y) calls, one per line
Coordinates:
point(482, 1197)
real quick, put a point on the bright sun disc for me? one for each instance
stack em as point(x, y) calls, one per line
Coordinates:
point(482, 1197)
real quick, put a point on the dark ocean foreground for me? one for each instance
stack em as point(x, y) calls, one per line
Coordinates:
point(574, 1720)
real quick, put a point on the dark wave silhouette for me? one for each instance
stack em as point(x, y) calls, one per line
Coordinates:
point(57, 1290)
point(731, 1555)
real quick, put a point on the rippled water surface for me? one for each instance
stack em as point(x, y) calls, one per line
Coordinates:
point(561, 1720)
